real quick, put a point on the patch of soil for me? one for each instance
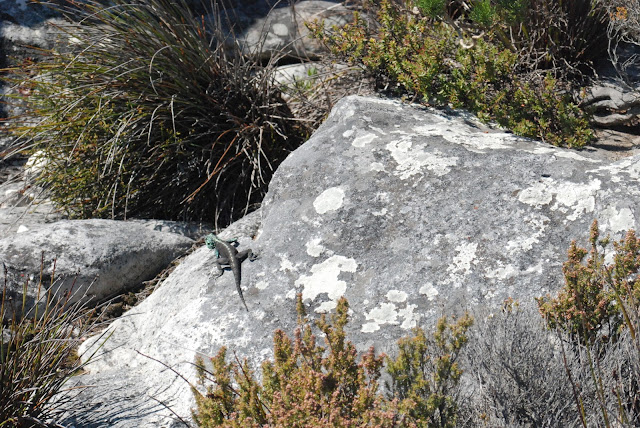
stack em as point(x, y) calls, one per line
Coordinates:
point(616, 144)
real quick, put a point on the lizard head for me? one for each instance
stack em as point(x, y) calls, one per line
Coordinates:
point(210, 240)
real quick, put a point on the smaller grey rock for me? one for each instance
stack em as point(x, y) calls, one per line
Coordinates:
point(23, 205)
point(25, 13)
point(307, 73)
point(613, 104)
point(42, 35)
point(191, 230)
point(21, 214)
point(92, 259)
point(284, 30)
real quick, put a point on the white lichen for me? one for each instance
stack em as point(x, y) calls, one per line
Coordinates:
point(429, 290)
point(329, 200)
point(396, 296)
point(411, 159)
point(363, 138)
point(314, 248)
point(578, 197)
point(324, 280)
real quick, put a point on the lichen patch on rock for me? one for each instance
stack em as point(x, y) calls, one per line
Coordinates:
point(329, 200)
point(324, 279)
point(412, 159)
point(362, 139)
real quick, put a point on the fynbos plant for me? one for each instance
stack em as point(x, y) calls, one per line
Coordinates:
point(443, 63)
point(303, 386)
point(596, 295)
point(597, 313)
point(425, 375)
point(307, 385)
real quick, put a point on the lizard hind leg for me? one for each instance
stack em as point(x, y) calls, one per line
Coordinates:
point(219, 266)
point(242, 255)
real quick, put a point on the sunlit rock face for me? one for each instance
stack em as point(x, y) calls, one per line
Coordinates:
point(407, 212)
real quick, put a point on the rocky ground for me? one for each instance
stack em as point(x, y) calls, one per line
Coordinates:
point(18, 210)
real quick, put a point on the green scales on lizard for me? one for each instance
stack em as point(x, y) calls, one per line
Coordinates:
point(226, 254)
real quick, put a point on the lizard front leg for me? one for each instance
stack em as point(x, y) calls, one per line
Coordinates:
point(221, 262)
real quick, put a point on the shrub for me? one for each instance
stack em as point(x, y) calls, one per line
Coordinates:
point(596, 295)
point(616, 378)
point(153, 112)
point(307, 385)
point(559, 36)
point(598, 311)
point(425, 375)
point(38, 356)
point(436, 60)
point(516, 371)
point(623, 30)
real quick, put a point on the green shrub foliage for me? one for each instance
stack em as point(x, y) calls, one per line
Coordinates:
point(149, 111)
point(307, 385)
point(560, 35)
point(461, 57)
point(425, 381)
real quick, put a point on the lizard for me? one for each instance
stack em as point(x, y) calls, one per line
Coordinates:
point(227, 254)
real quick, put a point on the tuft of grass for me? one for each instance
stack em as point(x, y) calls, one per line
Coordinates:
point(38, 356)
point(151, 111)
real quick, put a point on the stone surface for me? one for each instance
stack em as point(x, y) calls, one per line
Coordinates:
point(25, 215)
point(613, 104)
point(615, 144)
point(283, 30)
point(406, 211)
point(24, 25)
point(614, 96)
point(23, 12)
point(191, 230)
point(96, 257)
point(23, 205)
point(307, 74)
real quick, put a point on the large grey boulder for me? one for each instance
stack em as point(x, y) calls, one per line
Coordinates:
point(93, 258)
point(406, 211)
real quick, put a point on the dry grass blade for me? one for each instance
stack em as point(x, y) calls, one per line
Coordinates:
point(38, 356)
